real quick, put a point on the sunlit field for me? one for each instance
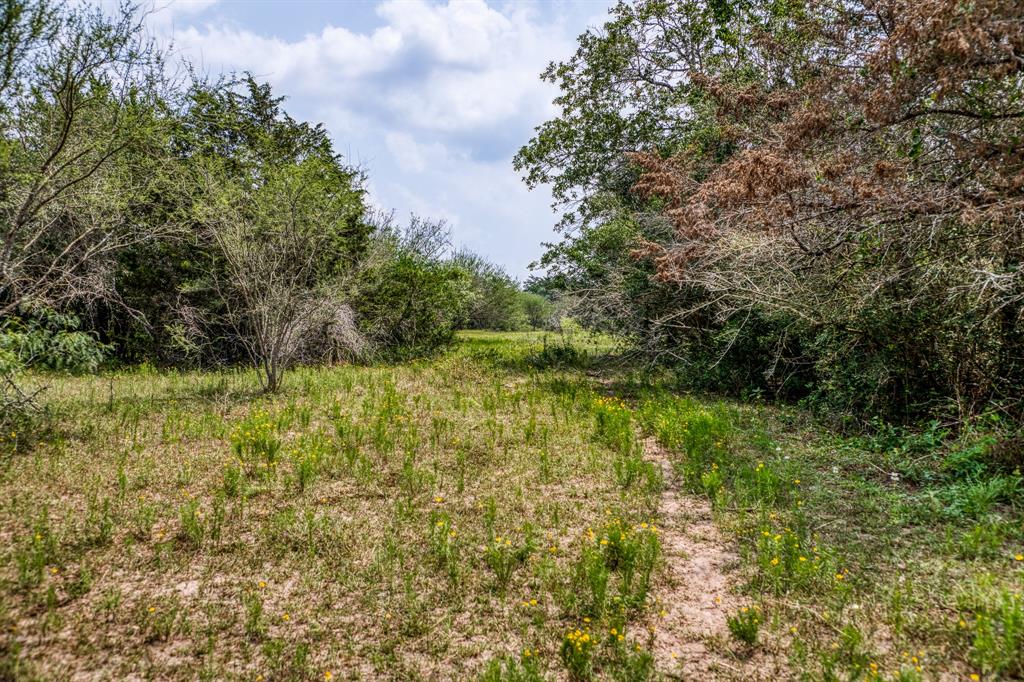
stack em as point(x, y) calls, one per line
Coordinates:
point(411, 521)
point(692, 350)
point(516, 508)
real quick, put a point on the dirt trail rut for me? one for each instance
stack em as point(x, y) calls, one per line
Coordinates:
point(691, 638)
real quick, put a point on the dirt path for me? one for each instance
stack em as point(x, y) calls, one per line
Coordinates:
point(691, 638)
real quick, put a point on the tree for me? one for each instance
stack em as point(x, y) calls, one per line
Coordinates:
point(825, 197)
point(282, 285)
point(537, 309)
point(78, 93)
point(624, 90)
point(871, 202)
point(232, 131)
point(411, 294)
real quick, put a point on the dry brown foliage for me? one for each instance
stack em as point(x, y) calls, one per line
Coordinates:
point(880, 151)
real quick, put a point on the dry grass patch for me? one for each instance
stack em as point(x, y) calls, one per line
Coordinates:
point(423, 521)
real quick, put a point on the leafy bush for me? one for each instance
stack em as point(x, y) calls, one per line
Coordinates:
point(51, 341)
point(537, 310)
point(560, 354)
point(744, 625)
point(494, 297)
point(409, 305)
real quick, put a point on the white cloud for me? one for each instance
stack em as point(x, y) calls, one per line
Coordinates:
point(444, 67)
point(406, 152)
point(460, 33)
point(336, 57)
point(432, 100)
point(161, 15)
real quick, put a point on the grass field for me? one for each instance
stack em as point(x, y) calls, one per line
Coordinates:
point(493, 513)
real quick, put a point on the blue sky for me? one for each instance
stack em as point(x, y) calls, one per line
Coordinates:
point(432, 98)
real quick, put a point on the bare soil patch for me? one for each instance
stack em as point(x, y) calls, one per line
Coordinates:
point(691, 639)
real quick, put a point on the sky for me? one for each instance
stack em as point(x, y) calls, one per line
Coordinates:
point(431, 99)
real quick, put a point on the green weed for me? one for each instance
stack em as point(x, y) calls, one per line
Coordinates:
point(35, 552)
point(745, 625)
point(577, 653)
point(997, 645)
point(509, 669)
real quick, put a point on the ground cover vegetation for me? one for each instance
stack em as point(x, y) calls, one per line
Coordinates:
point(768, 425)
point(375, 521)
point(487, 513)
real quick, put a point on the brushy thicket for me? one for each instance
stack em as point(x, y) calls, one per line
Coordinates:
point(815, 201)
point(189, 223)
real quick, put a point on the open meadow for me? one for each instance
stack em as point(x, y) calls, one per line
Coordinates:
point(513, 509)
point(512, 341)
